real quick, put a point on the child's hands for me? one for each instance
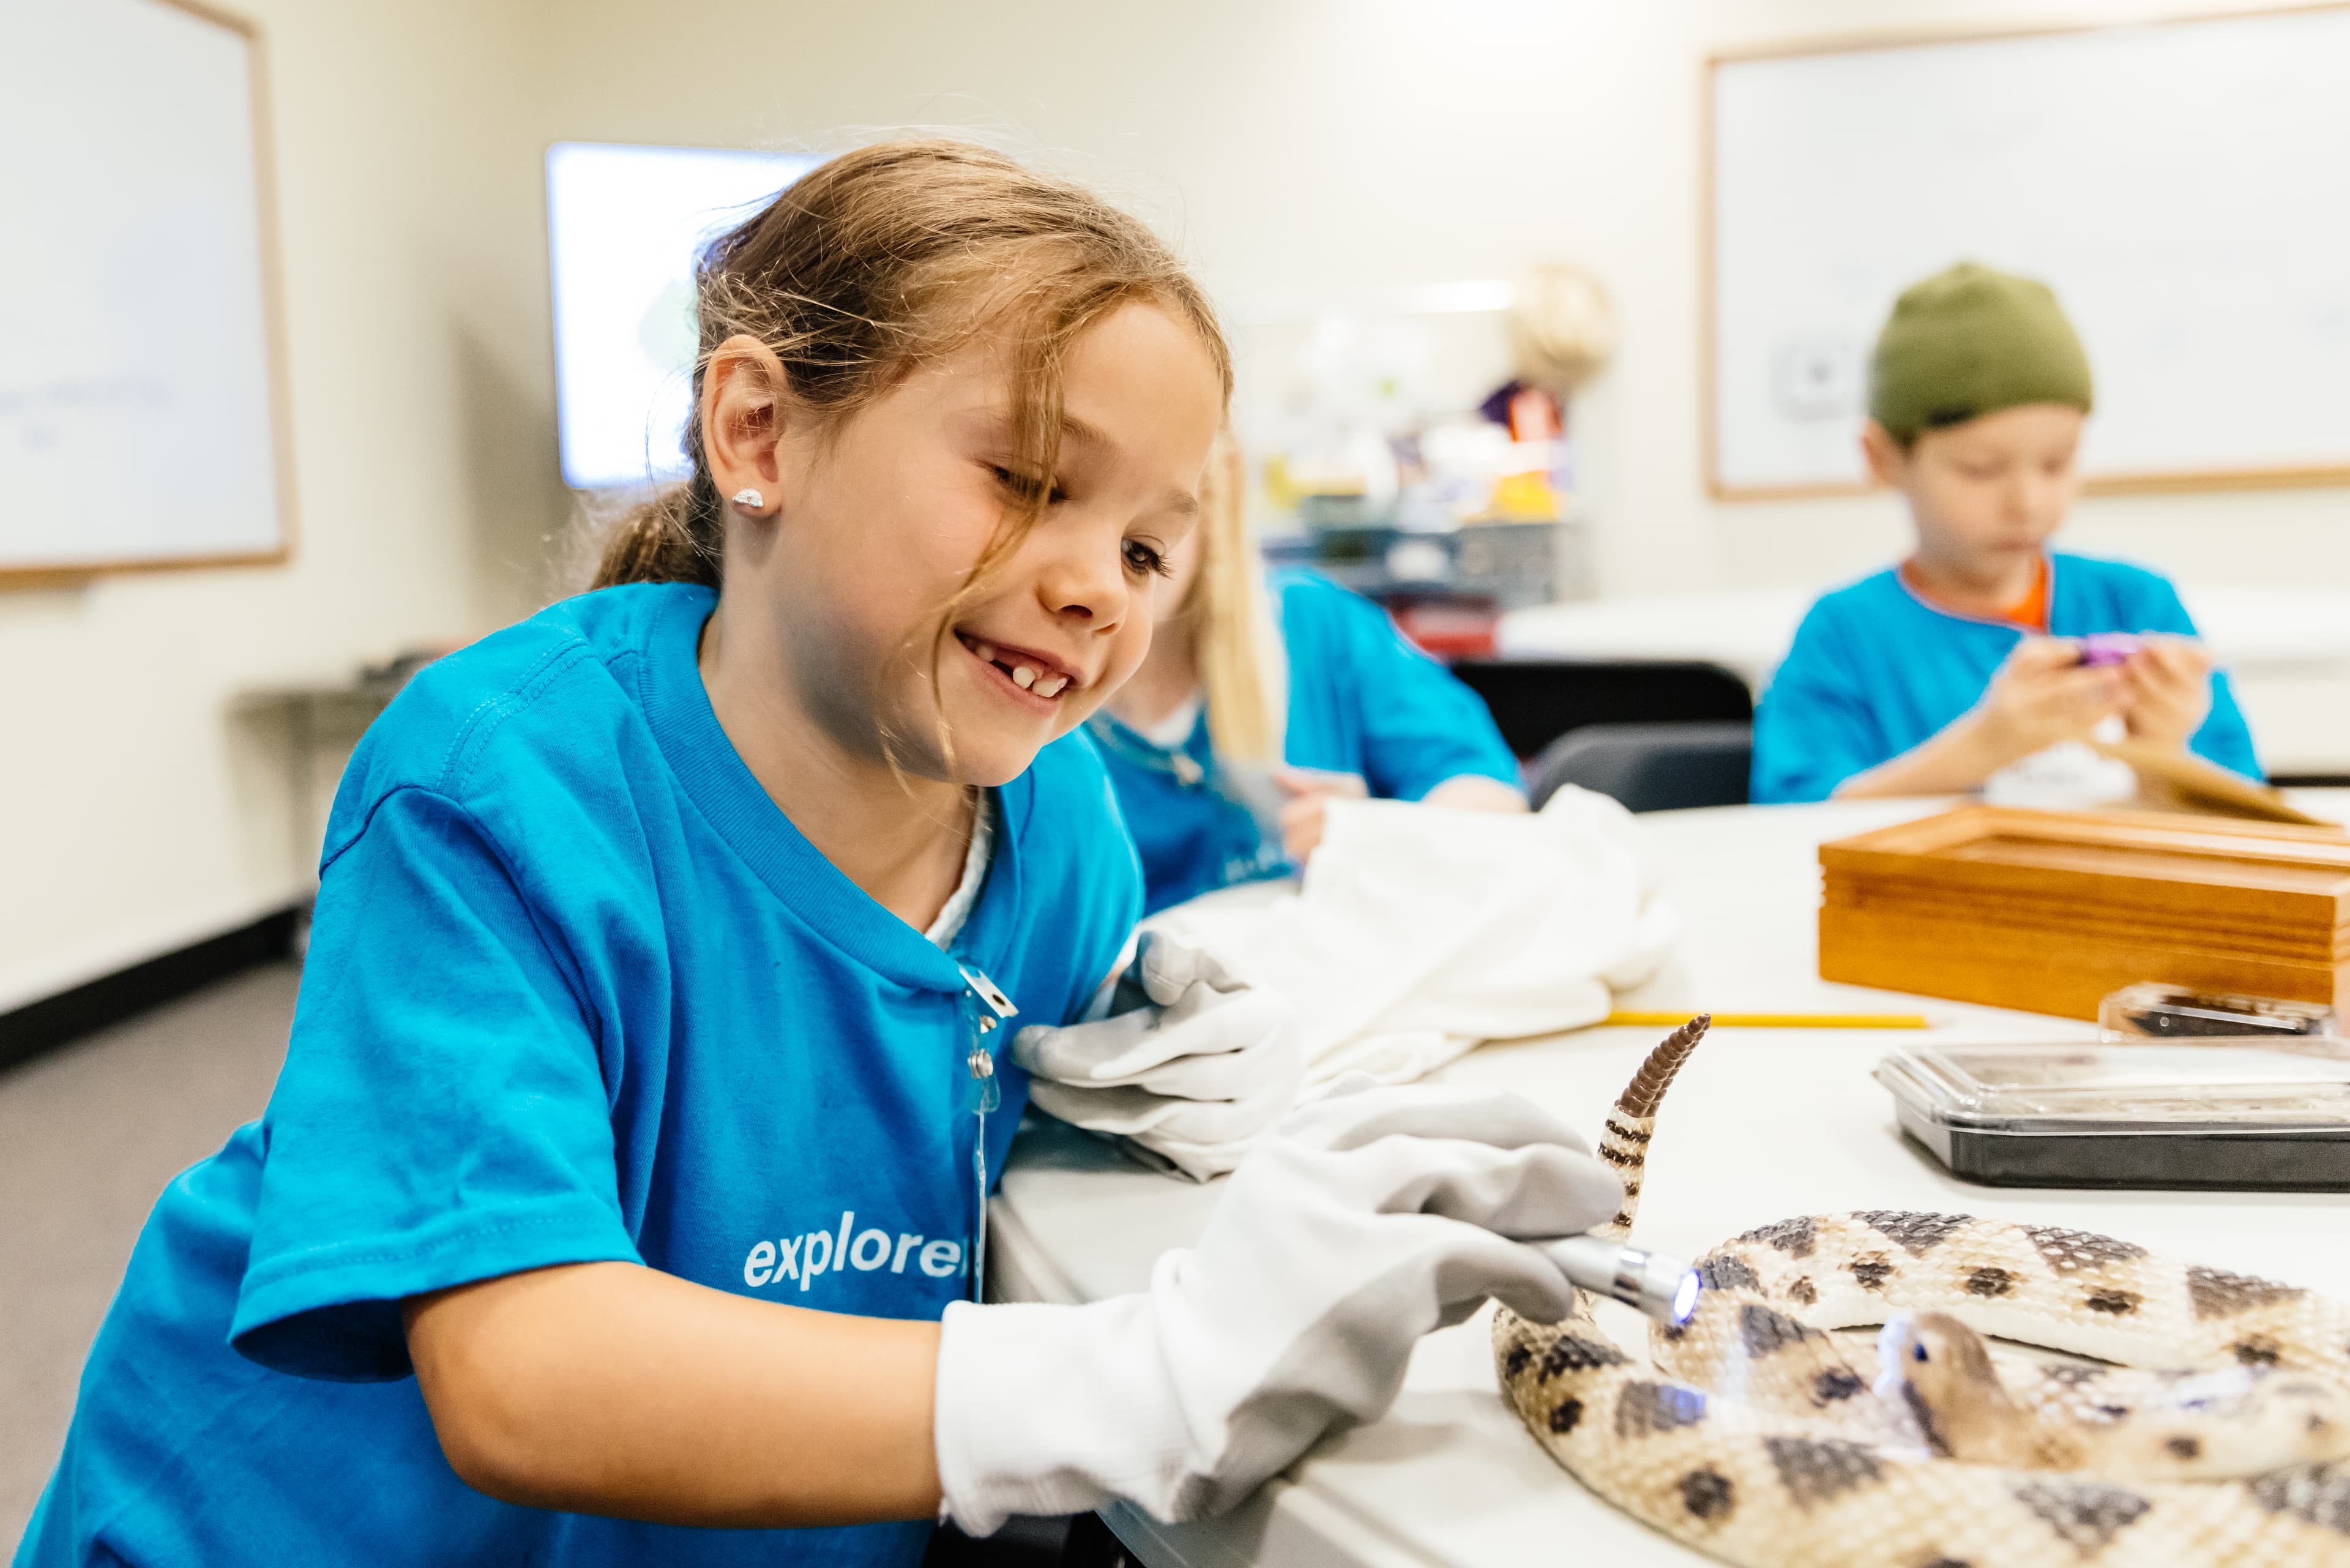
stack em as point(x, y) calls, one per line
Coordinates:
point(1311, 791)
point(2044, 694)
point(1192, 1077)
point(2165, 690)
point(1358, 1224)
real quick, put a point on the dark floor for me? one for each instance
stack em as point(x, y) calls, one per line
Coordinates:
point(88, 1136)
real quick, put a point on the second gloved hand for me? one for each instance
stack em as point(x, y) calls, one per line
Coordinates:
point(1191, 1075)
point(1360, 1225)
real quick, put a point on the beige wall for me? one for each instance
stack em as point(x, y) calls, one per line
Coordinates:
point(137, 811)
point(1353, 144)
point(1291, 145)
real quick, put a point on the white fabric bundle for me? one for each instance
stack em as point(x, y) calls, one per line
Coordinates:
point(1420, 932)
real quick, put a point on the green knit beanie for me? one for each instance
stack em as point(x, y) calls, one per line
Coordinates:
point(1968, 342)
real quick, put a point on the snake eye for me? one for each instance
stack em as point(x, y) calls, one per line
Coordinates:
point(1917, 1353)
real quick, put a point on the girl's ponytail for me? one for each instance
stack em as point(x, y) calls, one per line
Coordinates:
point(674, 538)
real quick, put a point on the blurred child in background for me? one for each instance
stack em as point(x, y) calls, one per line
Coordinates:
point(1229, 744)
point(1934, 676)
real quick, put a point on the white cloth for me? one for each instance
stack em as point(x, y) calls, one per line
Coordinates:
point(1204, 1066)
point(2066, 777)
point(1420, 930)
point(1366, 1218)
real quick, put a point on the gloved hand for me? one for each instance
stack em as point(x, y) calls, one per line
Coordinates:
point(1206, 1063)
point(1368, 1218)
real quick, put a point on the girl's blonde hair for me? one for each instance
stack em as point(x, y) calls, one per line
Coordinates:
point(1242, 669)
point(890, 257)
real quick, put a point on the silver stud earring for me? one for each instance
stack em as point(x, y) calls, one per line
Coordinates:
point(749, 500)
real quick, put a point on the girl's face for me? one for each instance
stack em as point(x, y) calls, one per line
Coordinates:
point(883, 518)
point(1184, 561)
point(1187, 559)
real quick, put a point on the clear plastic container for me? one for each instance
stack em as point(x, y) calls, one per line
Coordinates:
point(2222, 1117)
point(2176, 1013)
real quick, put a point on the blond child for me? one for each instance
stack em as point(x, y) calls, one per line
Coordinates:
point(1265, 696)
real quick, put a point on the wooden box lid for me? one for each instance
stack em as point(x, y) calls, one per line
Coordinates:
point(2161, 870)
point(2049, 910)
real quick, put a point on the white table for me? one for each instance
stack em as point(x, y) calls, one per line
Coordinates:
point(1761, 1126)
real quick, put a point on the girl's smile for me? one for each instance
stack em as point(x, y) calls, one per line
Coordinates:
point(1036, 680)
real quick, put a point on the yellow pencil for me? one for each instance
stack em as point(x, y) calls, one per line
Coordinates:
point(1775, 1020)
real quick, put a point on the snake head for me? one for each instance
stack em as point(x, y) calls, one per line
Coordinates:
point(1938, 1368)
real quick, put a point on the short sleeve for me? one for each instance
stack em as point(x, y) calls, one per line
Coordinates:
point(1813, 729)
point(2224, 737)
point(1421, 725)
point(442, 1116)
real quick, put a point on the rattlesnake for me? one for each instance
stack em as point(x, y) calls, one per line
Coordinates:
point(2217, 1433)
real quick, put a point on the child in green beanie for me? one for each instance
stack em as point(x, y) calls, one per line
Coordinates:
point(1984, 648)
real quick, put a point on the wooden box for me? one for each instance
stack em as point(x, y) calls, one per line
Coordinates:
point(2048, 911)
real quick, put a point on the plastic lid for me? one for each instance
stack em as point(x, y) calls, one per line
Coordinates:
point(2120, 1089)
point(2169, 1011)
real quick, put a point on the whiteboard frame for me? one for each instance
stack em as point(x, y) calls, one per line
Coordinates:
point(1709, 349)
point(273, 321)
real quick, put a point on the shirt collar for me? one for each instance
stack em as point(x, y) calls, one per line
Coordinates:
point(2043, 593)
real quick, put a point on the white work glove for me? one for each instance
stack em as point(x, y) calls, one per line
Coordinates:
point(1192, 1077)
point(1368, 1218)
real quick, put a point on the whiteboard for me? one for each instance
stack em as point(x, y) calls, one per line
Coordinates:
point(140, 420)
point(2183, 186)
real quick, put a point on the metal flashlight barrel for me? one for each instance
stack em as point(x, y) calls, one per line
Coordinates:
point(1660, 1287)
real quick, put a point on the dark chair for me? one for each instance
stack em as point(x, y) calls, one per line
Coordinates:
point(1649, 767)
point(1536, 701)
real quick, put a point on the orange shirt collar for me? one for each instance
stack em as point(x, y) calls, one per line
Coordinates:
point(2030, 612)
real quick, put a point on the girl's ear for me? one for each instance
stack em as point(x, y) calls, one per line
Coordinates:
point(743, 401)
point(1888, 460)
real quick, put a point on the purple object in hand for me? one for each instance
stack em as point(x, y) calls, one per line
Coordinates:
point(2109, 646)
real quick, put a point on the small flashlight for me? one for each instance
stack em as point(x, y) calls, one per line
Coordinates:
point(1661, 1288)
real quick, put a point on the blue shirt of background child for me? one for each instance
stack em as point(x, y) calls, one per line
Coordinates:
point(1362, 699)
point(576, 990)
point(1876, 671)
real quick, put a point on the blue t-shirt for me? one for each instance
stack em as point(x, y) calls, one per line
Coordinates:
point(1362, 699)
point(576, 991)
point(1876, 671)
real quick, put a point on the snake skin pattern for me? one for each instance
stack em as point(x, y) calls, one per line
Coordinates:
point(2212, 1429)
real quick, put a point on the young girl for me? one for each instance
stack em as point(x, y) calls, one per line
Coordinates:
point(1196, 741)
point(646, 1080)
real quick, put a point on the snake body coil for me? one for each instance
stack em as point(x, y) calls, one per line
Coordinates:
point(2212, 1431)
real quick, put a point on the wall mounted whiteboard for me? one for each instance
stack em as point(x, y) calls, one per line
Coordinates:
point(2184, 186)
point(141, 412)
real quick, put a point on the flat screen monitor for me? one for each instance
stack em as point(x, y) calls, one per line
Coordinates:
point(624, 225)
